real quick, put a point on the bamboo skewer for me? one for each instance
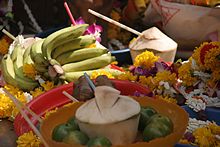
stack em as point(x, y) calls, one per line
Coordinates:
point(114, 22)
point(8, 34)
point(70, 96)
point(19, 106)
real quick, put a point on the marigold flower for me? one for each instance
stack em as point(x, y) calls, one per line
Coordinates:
point(28, 140)
point(184, 73)
point(146, 60)
point(29, 70)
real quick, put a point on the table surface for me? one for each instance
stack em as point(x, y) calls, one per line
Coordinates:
point(7, 135)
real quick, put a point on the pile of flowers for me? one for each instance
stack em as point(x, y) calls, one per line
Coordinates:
point(202, 134)
point(157, 75)
point(200, 77)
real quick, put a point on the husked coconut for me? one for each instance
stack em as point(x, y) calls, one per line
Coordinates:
point(119, 114)
point(156, 41)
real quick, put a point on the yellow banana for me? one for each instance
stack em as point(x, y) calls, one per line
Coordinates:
point(79, 55)
point(60, 37)
point(8, 70)
point(89, 64)
point(36, 53)
point(11, 78)
point(26, 57)
point(77, 43)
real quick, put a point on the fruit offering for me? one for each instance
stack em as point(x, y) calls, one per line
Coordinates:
point(62, 56)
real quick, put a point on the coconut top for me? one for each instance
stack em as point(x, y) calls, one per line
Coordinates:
point(107, 107)
point(153, 39)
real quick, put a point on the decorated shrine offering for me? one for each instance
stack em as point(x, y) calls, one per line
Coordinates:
point(67, 89)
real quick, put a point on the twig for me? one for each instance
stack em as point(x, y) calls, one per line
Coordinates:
point(26, 117)
point(114, 22)
point(8, 34)
point(70, 96)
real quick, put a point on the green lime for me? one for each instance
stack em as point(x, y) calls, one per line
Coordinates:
point(99, 142)
point(72, 121)
point(145, 115)
point(158, 118)
point(60, 131)
point(76, 137)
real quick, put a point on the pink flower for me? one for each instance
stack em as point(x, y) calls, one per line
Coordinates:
point(93, 29)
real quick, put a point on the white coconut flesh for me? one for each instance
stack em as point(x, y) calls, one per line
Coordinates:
point(107, 107)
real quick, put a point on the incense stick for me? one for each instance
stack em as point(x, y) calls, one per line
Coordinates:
point(70, 96)
point(8, 34)
point(26, 117)
point(114, 22)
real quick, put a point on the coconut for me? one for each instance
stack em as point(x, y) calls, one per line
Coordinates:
point(111, 115)
point(154, 40)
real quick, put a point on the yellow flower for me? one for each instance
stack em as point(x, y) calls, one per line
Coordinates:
point(37, 91)
point(215, 77)
point(167, 99)
point(165, 76)
point(91, 45)
point(211, 61)
point(148, 81)
point(29, 70)
point(48, 85)
point(204, 137)
point(7, 107)
point(146, 59)
point(184, 73)
point(28, 140)
point(206, 55)
point(95, 74)
point(4, 45)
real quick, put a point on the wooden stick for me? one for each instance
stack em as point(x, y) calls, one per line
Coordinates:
point(26, 108)
point(114, 22)
point(70, 96)
point(26, 117)
point(8, 34)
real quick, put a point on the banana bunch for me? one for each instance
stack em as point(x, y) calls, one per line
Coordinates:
point(69, 52)
point(64, 55)
point(12, 70)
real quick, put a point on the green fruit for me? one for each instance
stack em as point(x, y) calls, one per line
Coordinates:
point(60, 131)
point(158, 118)
point(153, 131)
point(73, 123)
point(76, 137)
point(99, 142)
point(158, 126)
point(145, 115)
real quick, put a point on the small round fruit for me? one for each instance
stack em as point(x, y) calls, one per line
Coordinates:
point(60, 131)
point(72, 121)
point(145, 115)
point(153, 131)
point(76, 137)
point(99, 142)
point(158, 118)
